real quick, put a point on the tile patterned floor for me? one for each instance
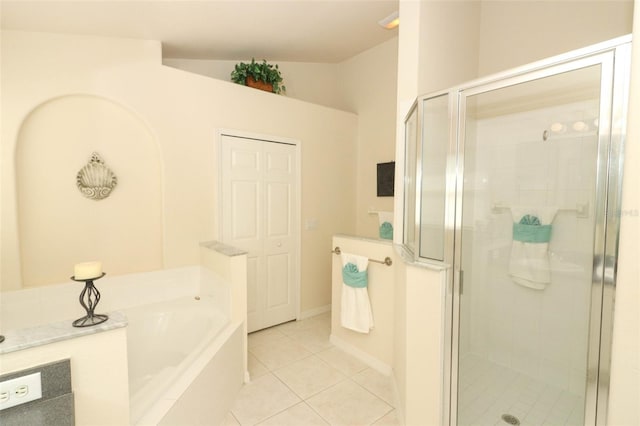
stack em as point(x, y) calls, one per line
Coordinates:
point(299, 378)
point(488, 390)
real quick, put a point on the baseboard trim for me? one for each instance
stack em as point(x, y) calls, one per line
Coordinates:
point(315, 311)
point(370, 360)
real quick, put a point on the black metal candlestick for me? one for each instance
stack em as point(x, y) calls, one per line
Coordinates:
point(92, 295)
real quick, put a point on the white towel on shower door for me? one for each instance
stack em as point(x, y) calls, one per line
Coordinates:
point(355, 311)
point(529, 262)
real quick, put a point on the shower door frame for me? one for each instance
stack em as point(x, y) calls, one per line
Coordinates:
point(614, 58)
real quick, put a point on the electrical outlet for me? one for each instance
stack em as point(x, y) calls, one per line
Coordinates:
point(20, 390)
point(311, 224)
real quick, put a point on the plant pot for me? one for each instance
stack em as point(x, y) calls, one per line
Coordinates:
point(267, 87)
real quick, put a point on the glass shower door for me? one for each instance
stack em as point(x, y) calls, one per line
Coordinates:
point(534, 177)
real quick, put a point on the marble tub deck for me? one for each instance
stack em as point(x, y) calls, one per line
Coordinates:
point(16, 340)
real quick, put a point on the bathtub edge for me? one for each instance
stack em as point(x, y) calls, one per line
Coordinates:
point(172, 396)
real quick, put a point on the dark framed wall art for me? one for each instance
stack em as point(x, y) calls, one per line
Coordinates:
point(386, 179)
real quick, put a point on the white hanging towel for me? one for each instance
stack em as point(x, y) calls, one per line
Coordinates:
point(529, 260)
point(356, 312)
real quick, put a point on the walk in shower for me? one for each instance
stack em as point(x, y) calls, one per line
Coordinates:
point(526, 217)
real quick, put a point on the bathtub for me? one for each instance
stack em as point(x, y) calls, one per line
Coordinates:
point(170, 345)
point(184, 351)
point(181, 351)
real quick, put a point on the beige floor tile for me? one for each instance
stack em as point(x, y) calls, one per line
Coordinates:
point(309, 376)
point(314, 339)
point(294, 326)
point(323, 323)
point(261, 337)
point(298, 415)
point(347, 403)
point(299, 378)
point(376, 383)
point(323, 320)
point(256, 368)
point(342, 361)
point(261, 399)
point(230, 421)
point(279, 353)
point(324, 315)
point(390, 419)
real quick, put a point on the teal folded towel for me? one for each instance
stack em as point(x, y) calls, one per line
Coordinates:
point(352, 277)
point(386, 231)
point(530, 230)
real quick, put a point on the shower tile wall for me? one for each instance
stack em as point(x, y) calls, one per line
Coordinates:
point(542, 334)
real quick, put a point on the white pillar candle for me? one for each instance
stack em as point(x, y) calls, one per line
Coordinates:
point(87, 270)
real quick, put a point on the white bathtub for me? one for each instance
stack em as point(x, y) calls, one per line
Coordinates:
point(180, 352)
point(185, 357)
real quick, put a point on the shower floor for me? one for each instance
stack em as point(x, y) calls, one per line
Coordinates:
point(488, 390)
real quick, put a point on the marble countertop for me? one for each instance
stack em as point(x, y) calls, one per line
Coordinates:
point(16, 340)
point(367, 239)
point(222, 248)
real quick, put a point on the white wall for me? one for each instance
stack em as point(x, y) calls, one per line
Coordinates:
point(317, 83)
point(183, 111)
point(365, 85)
point(368, 83)
point(462, 40)
point(407, 89)
point(514, 33)
point(64, 132)
point(32, 75)
point(624, 392)
point(449, 40)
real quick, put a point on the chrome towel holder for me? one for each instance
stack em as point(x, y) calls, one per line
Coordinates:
point(387, 260)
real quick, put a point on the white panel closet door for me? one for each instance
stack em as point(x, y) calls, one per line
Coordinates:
point(259, 199)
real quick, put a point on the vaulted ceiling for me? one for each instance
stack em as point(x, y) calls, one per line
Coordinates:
point(326, 31)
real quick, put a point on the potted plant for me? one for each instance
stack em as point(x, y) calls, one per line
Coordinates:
point(263, 76)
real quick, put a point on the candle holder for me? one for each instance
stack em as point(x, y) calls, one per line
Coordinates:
point(92, 296)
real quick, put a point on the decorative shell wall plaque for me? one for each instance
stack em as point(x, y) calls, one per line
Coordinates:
point(96, 180)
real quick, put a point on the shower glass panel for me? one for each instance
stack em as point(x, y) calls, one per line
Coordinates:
point(531, 161)
point(433, 171)
point(411, 147)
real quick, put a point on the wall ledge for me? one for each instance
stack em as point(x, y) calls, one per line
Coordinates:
point(408, 260)
point(222, 248)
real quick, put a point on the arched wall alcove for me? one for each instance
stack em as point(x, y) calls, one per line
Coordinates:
point(58, 226)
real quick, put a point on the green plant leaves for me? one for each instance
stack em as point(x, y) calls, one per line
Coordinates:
point(260, 71)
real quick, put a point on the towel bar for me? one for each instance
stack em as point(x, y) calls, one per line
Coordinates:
point(387, 260)
point(581, 210)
